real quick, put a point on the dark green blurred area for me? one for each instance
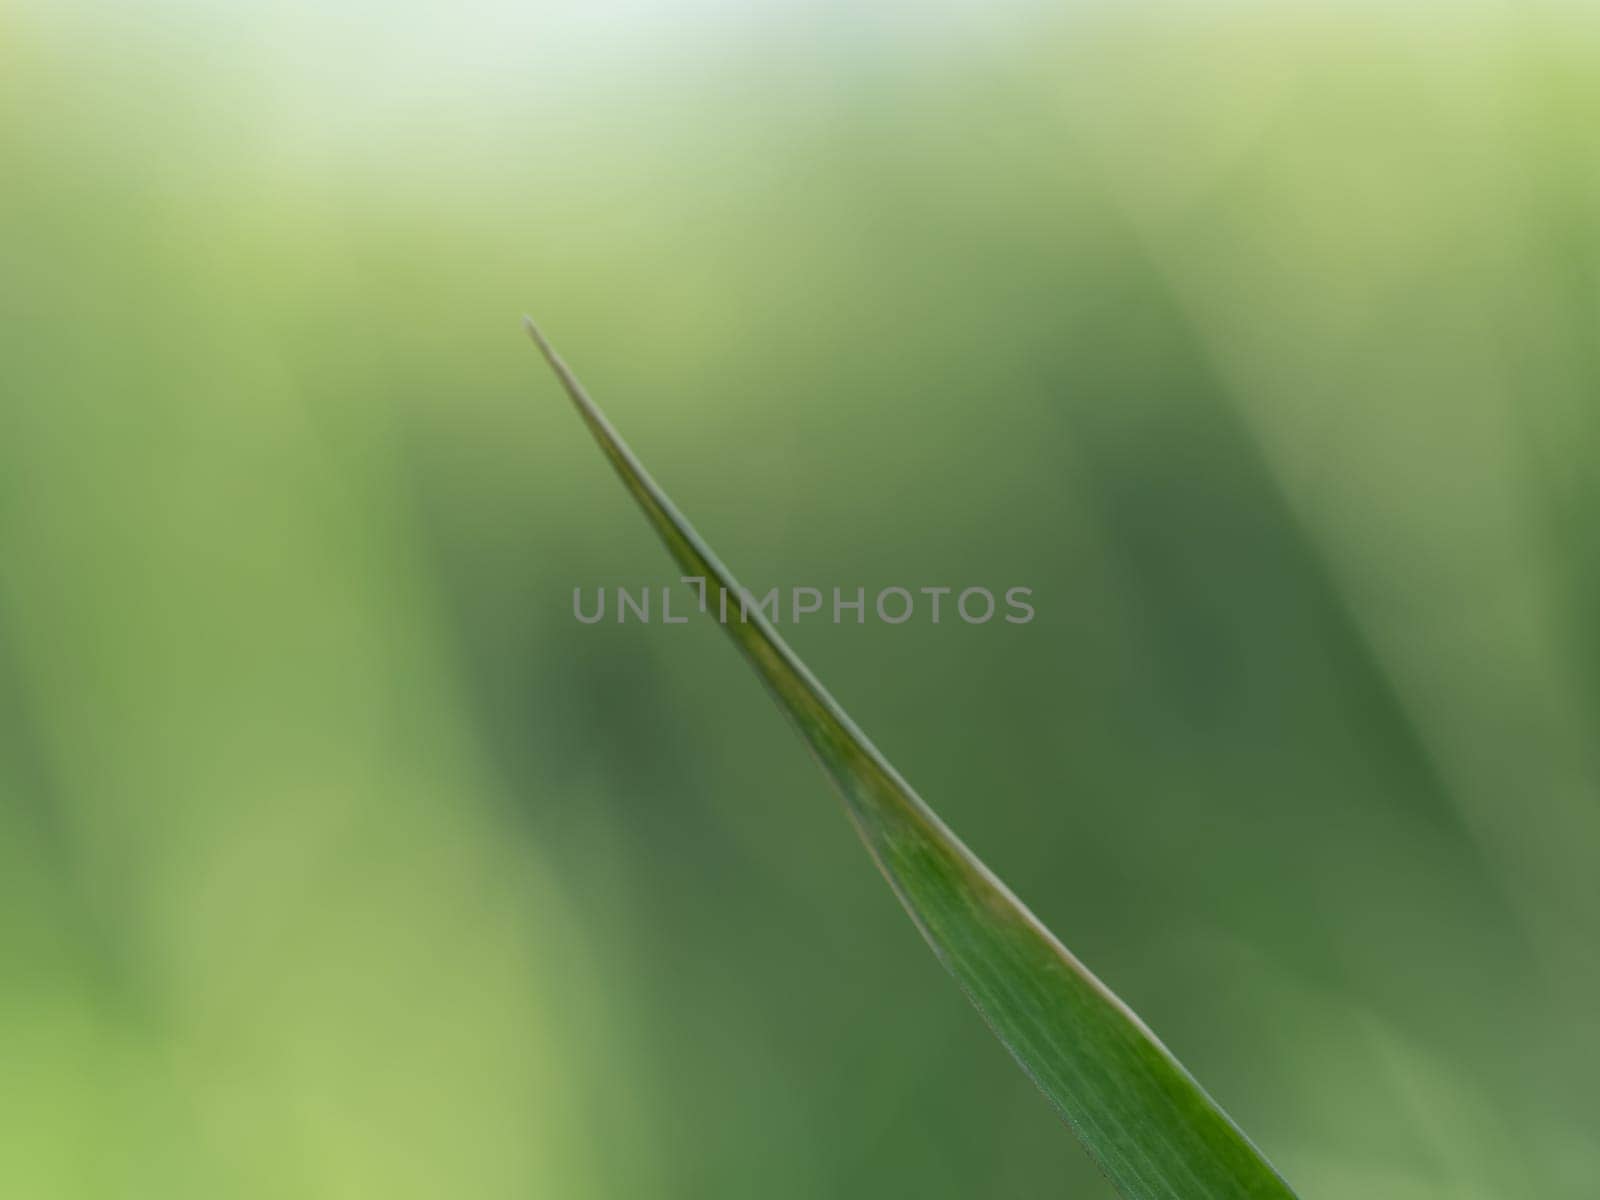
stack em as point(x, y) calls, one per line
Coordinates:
point(338, 860)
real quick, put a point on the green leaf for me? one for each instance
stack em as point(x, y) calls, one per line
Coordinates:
point(1149, 1126)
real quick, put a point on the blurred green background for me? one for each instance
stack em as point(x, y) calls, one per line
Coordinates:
point(338, 860)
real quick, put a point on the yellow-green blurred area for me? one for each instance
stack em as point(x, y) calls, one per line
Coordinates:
point(1260, 340)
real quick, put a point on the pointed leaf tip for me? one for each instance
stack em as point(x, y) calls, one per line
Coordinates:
point(1149, 1126)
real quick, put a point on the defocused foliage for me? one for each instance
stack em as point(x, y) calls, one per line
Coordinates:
point(337, 860)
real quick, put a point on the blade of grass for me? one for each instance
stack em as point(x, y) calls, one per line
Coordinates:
point(1149, 1126)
